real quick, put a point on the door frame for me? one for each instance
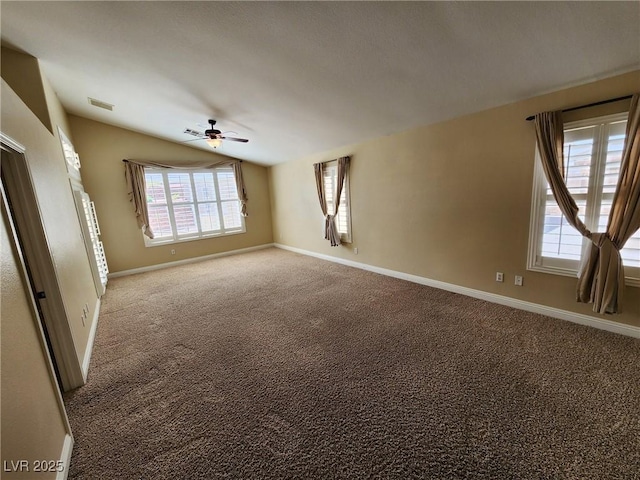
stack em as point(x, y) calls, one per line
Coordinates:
point(32, 241)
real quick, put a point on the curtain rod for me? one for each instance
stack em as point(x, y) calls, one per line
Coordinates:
point(126, 161)
point(332, 160)
point(594, 104)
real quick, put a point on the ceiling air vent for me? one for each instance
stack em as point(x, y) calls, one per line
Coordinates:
point(195, 133)
point(99, 104)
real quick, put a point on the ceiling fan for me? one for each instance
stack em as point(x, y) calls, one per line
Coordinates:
point(215, 137)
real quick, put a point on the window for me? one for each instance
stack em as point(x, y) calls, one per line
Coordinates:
point(72, 161)
point(343, 219)
point(192, 204)
point(592, 153)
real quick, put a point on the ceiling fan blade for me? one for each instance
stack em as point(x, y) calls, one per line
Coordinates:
point(234, 139)
point(194, 139)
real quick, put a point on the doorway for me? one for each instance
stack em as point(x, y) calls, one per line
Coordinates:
point(31, 270)
point(23, 209)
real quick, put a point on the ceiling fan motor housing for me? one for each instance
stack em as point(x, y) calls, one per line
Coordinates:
point(212, 131)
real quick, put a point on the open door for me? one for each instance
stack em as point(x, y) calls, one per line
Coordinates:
point(35, 425)
point(23, 208)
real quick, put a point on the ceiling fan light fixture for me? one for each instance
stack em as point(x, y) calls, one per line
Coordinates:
point(214, 142)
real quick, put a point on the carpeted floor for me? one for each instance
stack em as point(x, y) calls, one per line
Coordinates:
point(275, 365)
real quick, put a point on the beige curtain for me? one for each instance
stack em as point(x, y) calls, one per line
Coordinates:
point(136, 185)
point(330, 227)
point(317, 168)
point(550, 137)
point(601, 278)
point(602, 275)
point(242, 194)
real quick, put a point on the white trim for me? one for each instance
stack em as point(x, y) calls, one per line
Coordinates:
point(588, 320)
point(159, 266)
point(72, 162)
point(65, 457)
point(148, 243)
point(90, 340)
point(218, 202)
point(90, 231)
point(534, 215)
point(12, 144)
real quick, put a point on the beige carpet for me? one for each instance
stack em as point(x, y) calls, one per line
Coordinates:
point(275, 365)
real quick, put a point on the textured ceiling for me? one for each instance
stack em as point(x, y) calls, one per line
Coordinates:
point(305, 77)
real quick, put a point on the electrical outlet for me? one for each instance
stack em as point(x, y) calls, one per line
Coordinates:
point(83, 318)
point(499, 277)
point(518, 281)
point(173, 252)
point(355, 250)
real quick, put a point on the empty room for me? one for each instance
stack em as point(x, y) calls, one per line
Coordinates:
point(316, 240)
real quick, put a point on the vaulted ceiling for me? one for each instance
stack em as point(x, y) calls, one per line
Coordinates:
point(298, 78)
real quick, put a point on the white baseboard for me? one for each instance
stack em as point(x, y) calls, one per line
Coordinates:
point(65, 457)
point(582, 319)
point(159, 266)
point(90, 340)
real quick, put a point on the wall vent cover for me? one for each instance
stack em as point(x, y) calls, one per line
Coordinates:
point(99, 104)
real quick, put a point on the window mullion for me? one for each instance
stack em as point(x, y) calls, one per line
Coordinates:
point(196, 209)
point(329, 179)
point(218, 202)
point(539, 194)
point(167, 195)
point(599, 158)
point(576, 196)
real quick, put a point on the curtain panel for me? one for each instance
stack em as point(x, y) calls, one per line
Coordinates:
point(330, 227)
point(136, 188)
point(550, 137)
point(136, 185)
point(601, 276)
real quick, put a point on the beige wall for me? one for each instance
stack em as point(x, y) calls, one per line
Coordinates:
point(22, 73)
point(33, 423)
point(103, 147)
point(449, 202)
point(57, 207)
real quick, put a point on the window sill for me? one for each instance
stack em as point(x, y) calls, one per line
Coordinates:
point(629, 281)
point(159, 243)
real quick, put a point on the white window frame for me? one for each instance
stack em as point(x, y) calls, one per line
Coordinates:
point(72, 161)
point(199, 235)
point(535, 260)
point(345, 198)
